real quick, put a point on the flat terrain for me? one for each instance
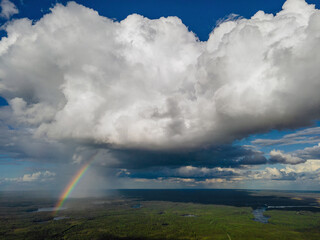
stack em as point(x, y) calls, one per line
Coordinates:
point(163, 214)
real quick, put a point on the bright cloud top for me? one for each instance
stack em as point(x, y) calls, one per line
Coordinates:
point(152, 84)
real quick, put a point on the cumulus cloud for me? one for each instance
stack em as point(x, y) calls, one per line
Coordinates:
point(295, 157)
point(277, 156)
point(153, 103)
point(17, 143)
point(37, 176)
point(184, 182)
point(151, 84)
point(273, 174)
point(310, 166)
point(310, 152)
point(307, 171)
point(194, 172)
point(7, 9)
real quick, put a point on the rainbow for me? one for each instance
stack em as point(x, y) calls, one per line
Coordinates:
point(72, 184)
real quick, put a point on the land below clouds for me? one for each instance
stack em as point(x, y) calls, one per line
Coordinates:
point(232, 197)
point(163, 214)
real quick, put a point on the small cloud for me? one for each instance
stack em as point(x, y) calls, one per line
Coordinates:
point(123, 173)
point(214, 180)
point(273, 174)
point(8, 9)
point(37, 176)
point(228, 18)
point(277, 156)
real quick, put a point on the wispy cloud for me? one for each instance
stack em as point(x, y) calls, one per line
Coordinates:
point(309, 135)
point(8, 9)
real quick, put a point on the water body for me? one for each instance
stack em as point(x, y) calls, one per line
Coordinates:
point(100, 202)
point(49, 209)
point(60, 218)
point(239, 198)
point(258, 215)
point(54, 219)
point(281, 207)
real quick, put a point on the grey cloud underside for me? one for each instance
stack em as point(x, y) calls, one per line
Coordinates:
point(217, 165)
point(17, 143)
point(222, 156)
point(150, 85)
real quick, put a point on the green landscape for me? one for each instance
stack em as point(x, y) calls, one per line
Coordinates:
point(118, 216)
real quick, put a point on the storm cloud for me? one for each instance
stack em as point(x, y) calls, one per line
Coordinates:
point(219, 156)
point(151, 102)
point(152, 85)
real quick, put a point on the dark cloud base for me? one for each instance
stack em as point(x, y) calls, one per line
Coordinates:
point(219, 156)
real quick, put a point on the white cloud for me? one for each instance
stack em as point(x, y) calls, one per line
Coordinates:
point(197, 172)
point(309, 152)
point(191, 171)
point(307, 171)
point(151, 84)
point(33, 177)
point(7, 9)
point(214, 180)
point(305, 175)
point(277, 156)
point(295, 157)
point(267, 174)
point(310, 166)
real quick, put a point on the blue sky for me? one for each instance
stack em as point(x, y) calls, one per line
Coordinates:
point(232, 111)
point(276, 134)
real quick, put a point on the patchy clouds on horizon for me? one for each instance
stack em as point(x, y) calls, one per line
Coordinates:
point(160, 107)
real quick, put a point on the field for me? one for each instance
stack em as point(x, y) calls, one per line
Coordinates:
point(162, 214)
